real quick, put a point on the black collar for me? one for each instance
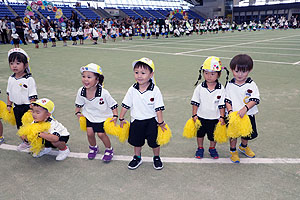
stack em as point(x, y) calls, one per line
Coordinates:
point(248, 80)
point(150, 87)
point(97, 93)
point(218, 85)
point(27, 75)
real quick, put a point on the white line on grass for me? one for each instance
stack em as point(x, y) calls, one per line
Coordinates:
point(174, 54)
point(297, 63)
point(234, 45)
point(176, 159)
point(258, 52)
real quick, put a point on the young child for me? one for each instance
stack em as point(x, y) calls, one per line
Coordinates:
point(44, 36)
point(208, 104)
point(242, 95)
point(52, 36)
point(35, 38)
point(1, 131)
point(58, 135)
point(145, 101)
point(80, 35)
point(94, 34)
point(15, 38)
point(21, 87)
point(64, 35)
point(97, 105)
point(74, 36)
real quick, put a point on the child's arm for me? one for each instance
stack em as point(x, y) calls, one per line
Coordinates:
point(121, 118)
point(9, 104)
point(194, 113)
point(77, 112)
point(49, 137)
point(115, 115)
point(161, 122)
point(222, 116)
point(246, 108)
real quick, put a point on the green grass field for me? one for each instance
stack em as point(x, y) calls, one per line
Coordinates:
point(276, 56)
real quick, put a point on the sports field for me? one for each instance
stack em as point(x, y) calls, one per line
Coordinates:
point(273, 174)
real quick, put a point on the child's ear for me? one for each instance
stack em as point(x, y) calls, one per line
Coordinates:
point(151, 74)
point(48, 114)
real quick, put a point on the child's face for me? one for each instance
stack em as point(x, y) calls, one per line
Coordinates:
point(89, 79)
point(39, 114)
point(240, 76)
point(142, 75)
point(17, 67)
point(210, 77)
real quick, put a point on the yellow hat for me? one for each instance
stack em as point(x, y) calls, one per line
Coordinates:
point(92, 67)
point(45, 103)
point(147, 61)
point(212, 64)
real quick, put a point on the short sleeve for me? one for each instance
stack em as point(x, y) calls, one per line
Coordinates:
point(110, 101)
point(79, 102)
point(222, 99)
point(158, 101)
point(255, 94)
point(196, 97)
point(32, 93)
point(127, 101)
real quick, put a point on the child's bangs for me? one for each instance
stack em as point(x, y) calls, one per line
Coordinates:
point(142, 65)
point(242, 68)
point(18, 56)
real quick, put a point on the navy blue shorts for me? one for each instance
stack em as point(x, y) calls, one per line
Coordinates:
point(97, 127)
point(207, 127)
point(254, 133)
point(143, 129)
point(49, 144)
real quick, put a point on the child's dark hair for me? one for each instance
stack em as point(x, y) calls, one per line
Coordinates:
point(100, 78)
point(142, 65)
point(37, 105)
point(19, 57)
point(241, 62)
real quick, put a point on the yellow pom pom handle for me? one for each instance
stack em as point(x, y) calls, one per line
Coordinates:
point(190, 129)
point(31, 132)
point(8, 117)
point(163, 137)
point(220, 135)
point(110, 127)
point(82, 123)
point(238, 126)
point(27, 118)
point(124, 132)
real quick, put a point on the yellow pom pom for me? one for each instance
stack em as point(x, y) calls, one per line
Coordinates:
point(31, 132)
point(220, 134)
point(124, 132)
point(238, 126)
point(8, 117)
point(190, 129)
point(82, 123)
point(163, 137)
point(27, 118)
point(110, 127)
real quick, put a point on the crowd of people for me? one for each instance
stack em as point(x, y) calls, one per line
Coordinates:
point(46, 30)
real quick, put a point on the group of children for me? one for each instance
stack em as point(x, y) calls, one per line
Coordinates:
point(211, 102)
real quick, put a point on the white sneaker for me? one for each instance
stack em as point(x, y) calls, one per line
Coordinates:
point(42, 152)
point(23, 146)
point(63, 154)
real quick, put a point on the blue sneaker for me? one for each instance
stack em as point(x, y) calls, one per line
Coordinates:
point(2, 140)
point(199, 153)
point(213, 153)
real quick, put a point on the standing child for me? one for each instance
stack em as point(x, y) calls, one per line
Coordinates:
point(44, 36)
point(80, 35)
point(242, 95)
point(208, 104)
point(21, 88)
point(1, 131)
point(74, 36)
point(64, 35)
point(57, 136)
point(15, 38)
point(97, 105)
point(130, 32)
point(35, 38)
point(146, 103)
point(52, 37)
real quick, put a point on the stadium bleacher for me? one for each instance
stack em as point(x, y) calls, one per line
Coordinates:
point(143, 13)
point(19, 9)
point(4, 11)
point(155, 14)
point(130, 13)
point(88, 13)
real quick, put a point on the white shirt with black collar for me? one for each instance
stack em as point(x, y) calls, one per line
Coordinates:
point(240, 95)
point(21, 90)
point(97, 109)
point(143, 105)
point(209, 102)
point(57, 128)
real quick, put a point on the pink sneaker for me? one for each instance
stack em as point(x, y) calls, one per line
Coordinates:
point(23, 146)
